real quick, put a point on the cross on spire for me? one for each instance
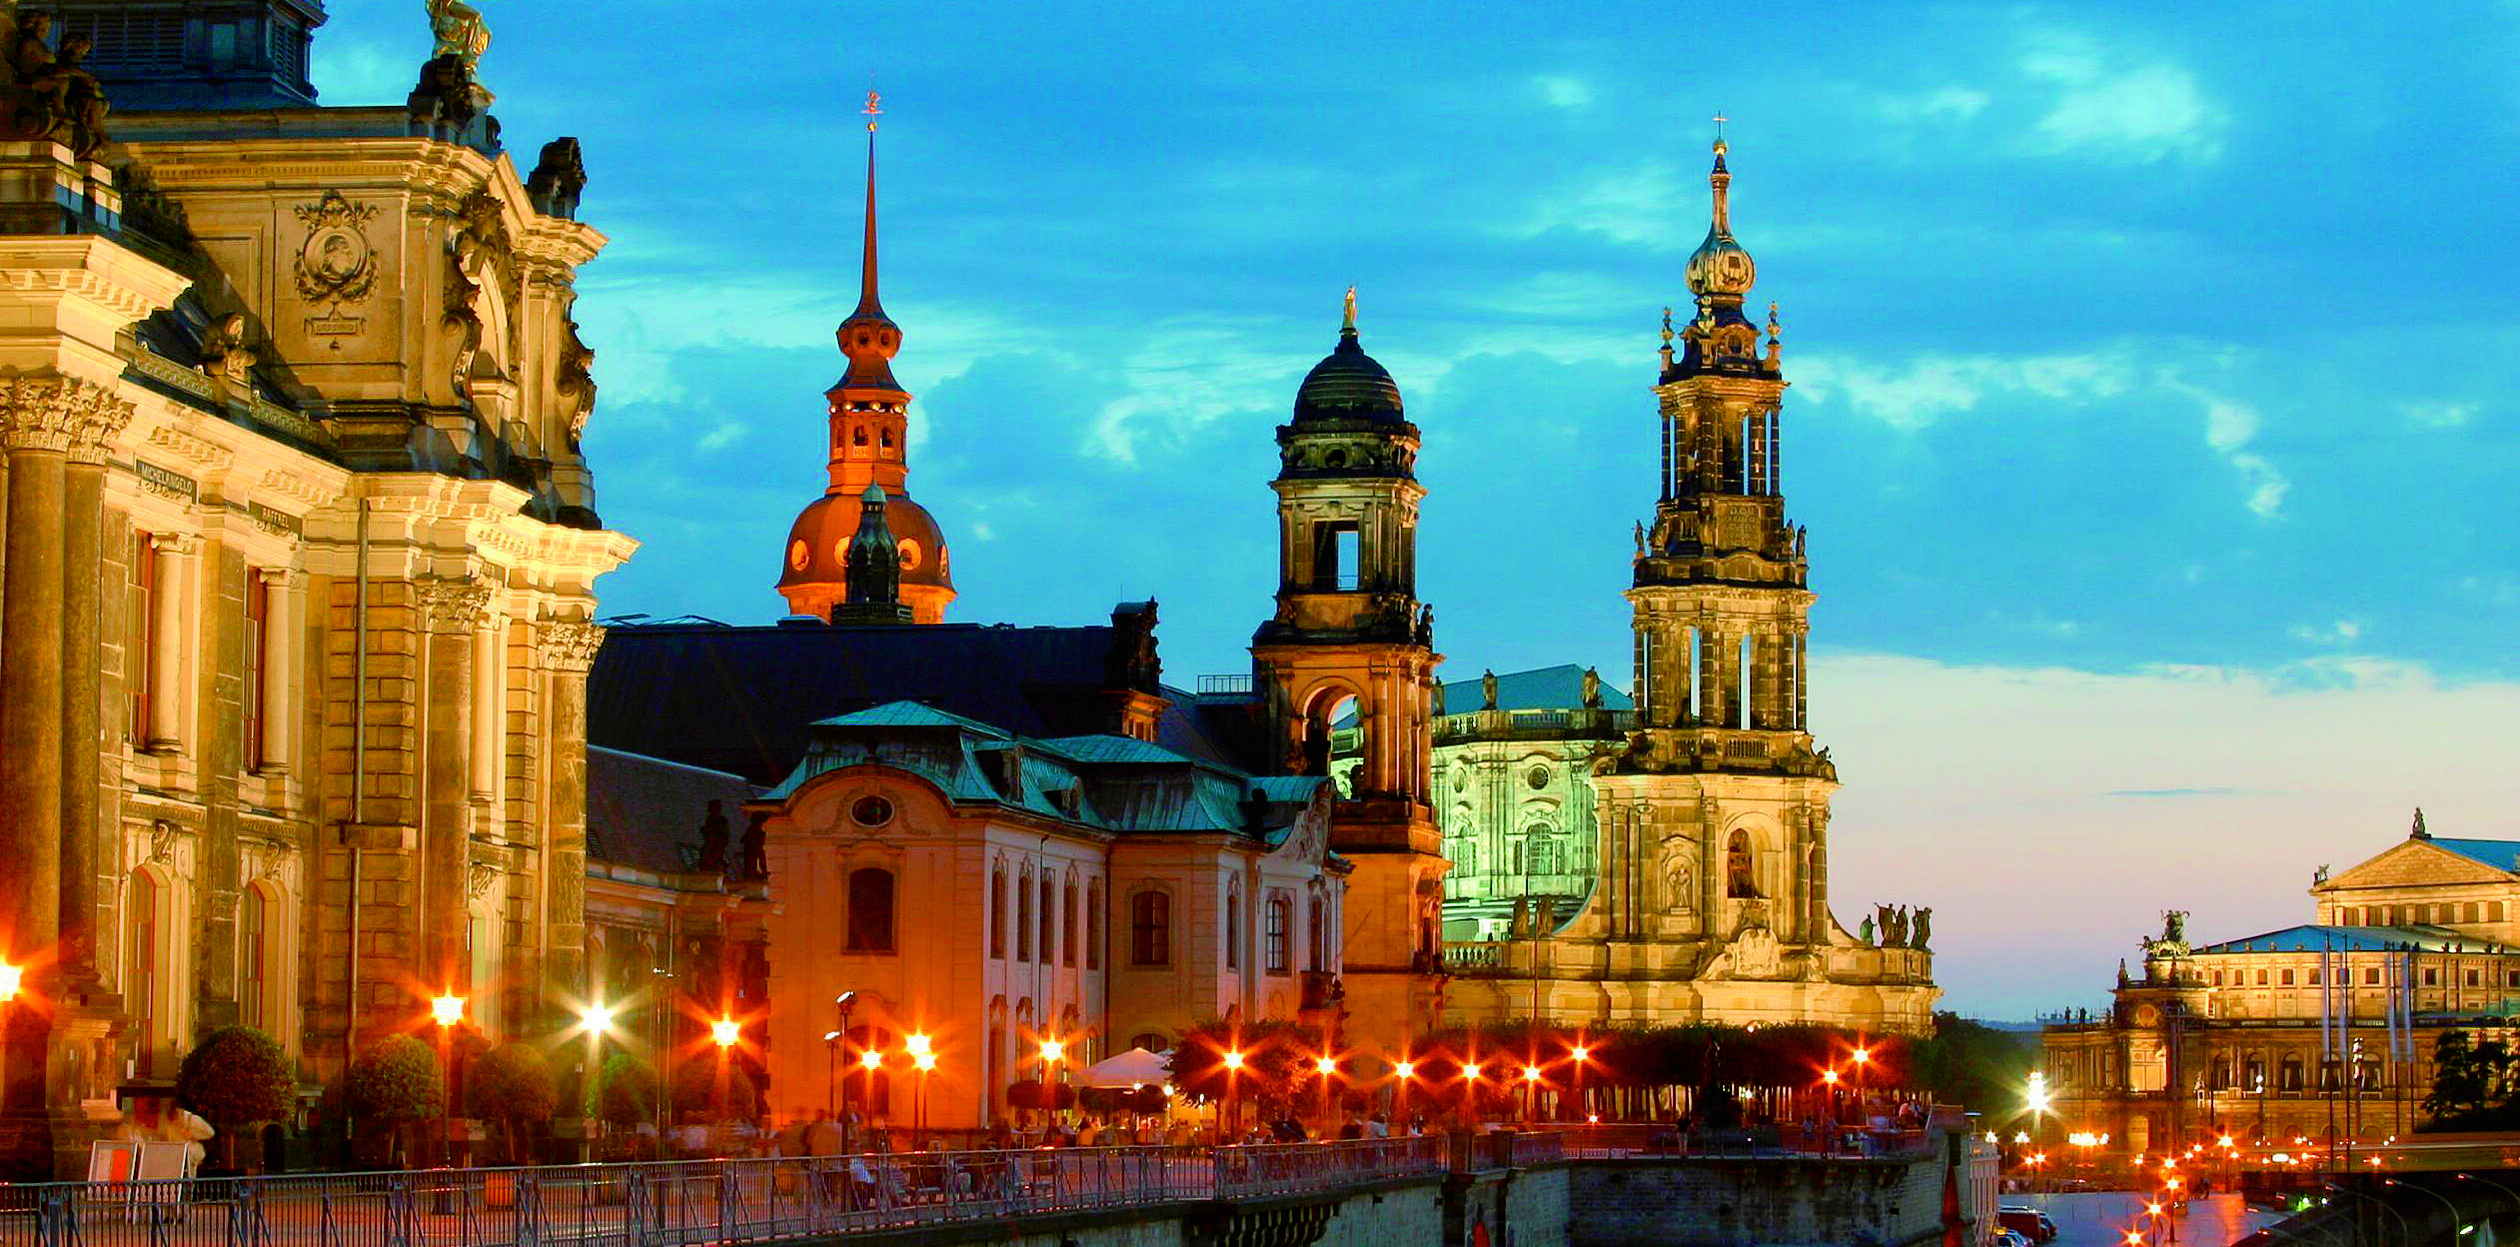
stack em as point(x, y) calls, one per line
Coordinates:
point(1720, 119)
point(871, 111)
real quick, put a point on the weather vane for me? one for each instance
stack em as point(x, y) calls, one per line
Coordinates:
point(871, 111)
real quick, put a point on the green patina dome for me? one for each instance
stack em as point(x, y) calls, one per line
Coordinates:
point(1348, 384)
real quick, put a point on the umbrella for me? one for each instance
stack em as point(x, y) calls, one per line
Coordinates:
point(1136, 1067)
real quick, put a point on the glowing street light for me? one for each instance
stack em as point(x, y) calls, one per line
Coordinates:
point(1051, 1050)
point(447, 1010)
point(1326, 1065)
point(724, 1032)
point(597, 1019)
point(1233, 1059)
point(872, 1060)
point(11, 978)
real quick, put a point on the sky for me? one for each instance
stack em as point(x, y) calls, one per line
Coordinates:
point(2152, 370)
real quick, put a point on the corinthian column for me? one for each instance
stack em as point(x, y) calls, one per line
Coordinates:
point(166, 655)
point(453, 611)
point(82, 714)
point(567, 651)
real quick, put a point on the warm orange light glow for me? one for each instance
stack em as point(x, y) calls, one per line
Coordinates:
point(2134, 1239)
point(917, 1044)
point(1051, 1048)
point(724, 1032)
point(1582, 1053)
point(1593, 1118)
point(1233, 1060)
point(1829, 1077)
point(924, 1061)
point(1862, 1055)
point(1405, 1069)
point(1470, 1073)
point(2226, 1140)
point(1531, 1073)
point(1327, 1065)
point(11, 977)
point(2172, 1184)
point(871, 1059)
point(2154, 1209)
point(448, 1010)
point(597, 1018)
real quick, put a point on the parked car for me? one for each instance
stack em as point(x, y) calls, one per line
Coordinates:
point(2029, 1222)
point(2008, 1238)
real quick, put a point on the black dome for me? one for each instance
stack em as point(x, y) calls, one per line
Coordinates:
point(1347, 384)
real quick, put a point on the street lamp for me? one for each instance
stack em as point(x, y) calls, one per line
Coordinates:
point(840, 1005)
point(831, 1074)
point(1581, 1055)
point(596, 1020)
point(923, 1059)
point(870, 1060)
point(1233, 1106)
point(1531, 1093)
point(1051, 1051)
point(1404, 1072)
point(447, 1011)
point(1325, 1065)
point(723, 1032)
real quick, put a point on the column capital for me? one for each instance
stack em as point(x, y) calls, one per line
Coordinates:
point(570, 644)
point(453, 603)
point(275, 576)
point(50, 411)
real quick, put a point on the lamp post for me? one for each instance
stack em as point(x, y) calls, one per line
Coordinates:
point(446, 1011)
point(922, 1059)
point(1863, 1063)
point(723, 1032)
point(596, 1021)
point(840, 1006)
point(1403, 1072)
point(1051, 1051)
point(831, 1074)
point(870, 1062)
point(1829, 1080)
point(1581, 1055)
point(1233, 1106)
point(1327, 1066)
point(2455, 1233)
point(2405, 1232)
point(1531, 1093)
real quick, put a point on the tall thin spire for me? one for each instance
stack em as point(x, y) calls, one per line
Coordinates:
point(867, 302)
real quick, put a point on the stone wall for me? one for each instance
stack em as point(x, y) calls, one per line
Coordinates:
point(1775, 1202)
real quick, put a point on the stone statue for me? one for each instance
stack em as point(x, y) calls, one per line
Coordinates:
point(1740, 873)
point(1522, 917)
point(1924, 929)
point(2419, 833)
point(1679, 885)
point(1487, 690)
point(1883, 913)
point(223, 350)
point(1640, 539)
point(2174, 926)
point(1426, 625)
point(757, 847)
point(1898, 937)
point(1544, 917)
point(61, 100)
point(1865, 932)
point(558, 178)
point(459, 31)
point(1438, 710)
point(714, 835)
point(2319, 876)
point(1592, 689)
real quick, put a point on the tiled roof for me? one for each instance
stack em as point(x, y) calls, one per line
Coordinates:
point(2499, 854)
point(2315, 937)
point(645, 813)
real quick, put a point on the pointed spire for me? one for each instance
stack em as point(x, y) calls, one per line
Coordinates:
point(868, 304)
point(1719, 179)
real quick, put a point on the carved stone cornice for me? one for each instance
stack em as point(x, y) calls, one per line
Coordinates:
point(192, 450)
point(570, 644)
point(49, 411)
point(453, 604)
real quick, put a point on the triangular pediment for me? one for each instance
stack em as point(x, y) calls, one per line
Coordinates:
point(2414, 863)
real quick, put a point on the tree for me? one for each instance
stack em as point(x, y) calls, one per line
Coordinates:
point(2465, 1078)
point(696, 1089)
point(396, 1082)
point(513, 1085)
point(1277, 1059)
point(237, 1077)
point(623, 1093)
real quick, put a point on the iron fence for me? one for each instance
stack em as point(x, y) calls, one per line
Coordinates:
point(680, 1204)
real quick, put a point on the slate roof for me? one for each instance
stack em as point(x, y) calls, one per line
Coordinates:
point(645, 813)
point(1105, 782)
point(2502, 855)
point(2316, 937)
point(744, 699)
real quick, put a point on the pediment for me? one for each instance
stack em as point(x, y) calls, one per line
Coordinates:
point(2414, 863)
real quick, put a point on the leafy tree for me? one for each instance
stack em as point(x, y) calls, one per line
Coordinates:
point(397, 1080)
point(514, 1085)
point(2468, 1080)
point(623, 1092)
point(1277, 1062)
point(696, 1087)
point(237, 1077)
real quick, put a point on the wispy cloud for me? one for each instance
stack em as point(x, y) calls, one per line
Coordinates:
point(1563, 90)
point(1933, 385)
point(2438, 415)
point(2341, 632)
point(2230, 426)
point(2117, 108)
point(2171, 793)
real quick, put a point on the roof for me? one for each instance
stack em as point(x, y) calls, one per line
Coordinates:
point(1542, 688)
point(1348, 384)
point(744, 699)
point(2316, 937)
point(2499, 854)
point(645, 813)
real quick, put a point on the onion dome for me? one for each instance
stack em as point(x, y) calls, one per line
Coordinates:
point(818, 544)
point(1347, 384)
point(1720, 270)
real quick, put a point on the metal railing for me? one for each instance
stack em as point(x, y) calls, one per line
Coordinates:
point(1627, 1139)
point(680, 1204)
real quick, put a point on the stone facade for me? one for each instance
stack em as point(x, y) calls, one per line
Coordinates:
point(2323, 1031)
point(1709, 899)
point(299, 562)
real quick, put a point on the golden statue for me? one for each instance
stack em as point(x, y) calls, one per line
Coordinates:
point(460, 32)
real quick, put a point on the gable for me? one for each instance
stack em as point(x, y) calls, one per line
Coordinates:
point(2414, 863)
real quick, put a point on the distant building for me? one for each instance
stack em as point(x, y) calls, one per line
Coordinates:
point(2323, 1031)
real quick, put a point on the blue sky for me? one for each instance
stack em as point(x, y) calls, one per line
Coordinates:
point(2152, 369)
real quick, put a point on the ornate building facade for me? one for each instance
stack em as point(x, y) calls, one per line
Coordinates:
point(2322, 1031)
point(299, 564)
point(1711, 897)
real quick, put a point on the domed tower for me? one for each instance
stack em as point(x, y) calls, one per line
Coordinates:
point(870, 417)
point(1350, 635)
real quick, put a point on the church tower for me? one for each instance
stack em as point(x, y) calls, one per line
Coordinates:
point(1351, 638)
point(1712, 901)
point(869, 447)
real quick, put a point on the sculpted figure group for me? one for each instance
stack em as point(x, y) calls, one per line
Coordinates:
point(1893, 926)
point(52, 96)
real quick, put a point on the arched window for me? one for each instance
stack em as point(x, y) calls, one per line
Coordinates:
point(2291, 1074)
point(1093, 925)
point(1150, 928)
point(1023, 916)
point(997, 913)
point(1151, 1041)
point(1279, 959)
point(1741, 879)
point(1067, 924)
point(1049, 918)
point(870, 910)
point(1233, 930)
point(1543, 853)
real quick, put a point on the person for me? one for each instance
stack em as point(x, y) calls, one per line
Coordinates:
point(822, 1137)
point(1378, 1126)
point(156, 1119)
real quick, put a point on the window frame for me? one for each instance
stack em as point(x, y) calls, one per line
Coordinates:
point(857, 937)
point(1277, 938)
point(1150, 928)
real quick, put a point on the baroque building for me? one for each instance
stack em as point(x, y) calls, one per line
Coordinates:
point(2321, 1032)
point(299, 558)
point(1710, 897)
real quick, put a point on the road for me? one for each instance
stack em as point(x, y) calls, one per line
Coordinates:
point(2101, 1219)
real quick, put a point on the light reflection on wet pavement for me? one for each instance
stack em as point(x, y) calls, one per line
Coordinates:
point(2102, 1218)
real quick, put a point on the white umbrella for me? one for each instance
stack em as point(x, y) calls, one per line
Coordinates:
point(1136, 1067)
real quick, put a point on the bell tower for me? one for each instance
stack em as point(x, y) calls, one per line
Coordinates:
point(1350, 638)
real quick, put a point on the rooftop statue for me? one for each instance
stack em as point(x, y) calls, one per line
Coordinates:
point(55, 97)
point(460, 32)
point(1592, 689)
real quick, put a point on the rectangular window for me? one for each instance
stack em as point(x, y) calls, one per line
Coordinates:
point(1067, 926)
point(2287, 978)
point(1276, 934)
point(2218, 978)
point(870, 927)
point(253, 955)
point(143, 984)
point(1233, 930)
point(2315, 980)
point(1023, 918)
point(1316, 937)
point(1150, 929)
point(1335, 548)
point(2261, 978)
point(2467, 911)
point(140, 635)
point(1049, 920)
point(997, 913)
point(2493, 911)
point(2371, 976)
point(257, 659)
point(2475, 979)
point(2432, 977)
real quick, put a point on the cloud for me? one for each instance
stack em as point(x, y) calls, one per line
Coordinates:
point(2438, 415)
point(1934, 385)
point(1563, 90)
point(2090, 802)
point(1650, 205)
point(2230, 426)
point(1948, 103)
point(2106, 106)
point(2342, 632)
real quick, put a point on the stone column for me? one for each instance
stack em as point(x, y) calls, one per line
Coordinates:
point(44, 420)
point(82, 715)
point(279, 667)
point(566, 649)
point(452, 608)
point(166, 653)
point(489, 729)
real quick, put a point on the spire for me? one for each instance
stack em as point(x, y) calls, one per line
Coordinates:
point(1719, 271)
point(868, 304)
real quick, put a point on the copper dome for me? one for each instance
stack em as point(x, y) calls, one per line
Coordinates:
point(818, 543)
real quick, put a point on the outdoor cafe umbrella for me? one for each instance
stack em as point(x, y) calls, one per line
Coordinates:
point(1136, 1067)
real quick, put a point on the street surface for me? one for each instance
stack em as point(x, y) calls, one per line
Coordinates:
point(2102, 1218)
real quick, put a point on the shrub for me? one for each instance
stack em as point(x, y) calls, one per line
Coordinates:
point(514, 1085)
point(235, 1078)
point(695, 1089)
point(396, 1080)
point(624, 1092)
